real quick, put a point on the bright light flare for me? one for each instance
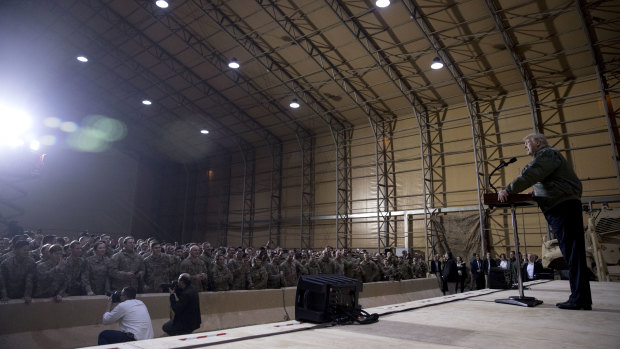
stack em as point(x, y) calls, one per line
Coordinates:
point(68, 126)
point(14, 124)
point(382, 3)
point(35, 145)
point(97, 133)
point(234, 64)
point(161, 3)
point(52, 122)
point(48, 140)
point(437, 63)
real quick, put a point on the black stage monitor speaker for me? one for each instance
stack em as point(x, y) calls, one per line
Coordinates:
point(499, 278)
point(320, 298)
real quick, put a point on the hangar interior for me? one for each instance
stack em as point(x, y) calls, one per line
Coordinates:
point(382, 152)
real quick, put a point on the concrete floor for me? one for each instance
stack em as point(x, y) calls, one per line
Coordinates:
point(468, 320)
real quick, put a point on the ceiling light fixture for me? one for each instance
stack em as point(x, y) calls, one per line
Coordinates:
point(161, 3)
point(82, 59)
point(147, 102)
point(437, 64)
point(294, 103)
point(382, 3)
point(233, 64)
point(204, 132)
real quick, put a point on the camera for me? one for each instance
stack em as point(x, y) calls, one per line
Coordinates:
point(171, 285)
point(115, 295)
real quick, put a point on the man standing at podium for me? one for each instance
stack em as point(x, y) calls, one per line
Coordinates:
point(557, 190)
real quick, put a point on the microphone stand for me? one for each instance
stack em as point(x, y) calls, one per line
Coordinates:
point(500, 166)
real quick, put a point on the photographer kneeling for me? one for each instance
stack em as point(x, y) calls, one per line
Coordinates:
point(133, 319)
point(185, 304)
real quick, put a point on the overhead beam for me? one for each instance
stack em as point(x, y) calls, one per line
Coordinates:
point(606, 98)
point(529, 83)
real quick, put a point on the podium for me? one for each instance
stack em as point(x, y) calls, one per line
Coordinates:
point(514, 201)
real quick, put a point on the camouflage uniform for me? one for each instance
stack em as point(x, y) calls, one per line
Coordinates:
point(157, 271)
point(420, 269)
point(379, 265)
point(98, 274)
point(207, 259)
point(313, 267)
point(175, 269)
point(338, 266)
point(404, 269)
point(122, 263)
point(234, 265)
point(17, 277)
point(7, 256)
point(194, 266)
point(77, 276)
point(51, 280)
point(222, 278)
point(369, 270)
point(350, 268)
point(390, 273)
point(291, 272)
point(275, 280)
point(244, 279)
point(259, 277)
point(327, 266)
point(109, 251)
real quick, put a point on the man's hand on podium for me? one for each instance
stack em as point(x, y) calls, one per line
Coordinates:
point(502, 196)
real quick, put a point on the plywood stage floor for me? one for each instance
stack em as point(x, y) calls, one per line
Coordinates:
point(467, 320)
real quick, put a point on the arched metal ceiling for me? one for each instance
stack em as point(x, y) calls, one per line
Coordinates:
point(344, 60)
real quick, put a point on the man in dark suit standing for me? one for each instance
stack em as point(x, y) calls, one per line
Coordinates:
point(436, 268)
point(185, 304)
point(472, 282)
point(477, 272)
point(488, 263)
point(449, 274)
point(531, 268)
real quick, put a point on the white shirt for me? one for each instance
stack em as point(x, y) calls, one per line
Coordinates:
point(503, 264)
point(530, 270)
point(132, 317)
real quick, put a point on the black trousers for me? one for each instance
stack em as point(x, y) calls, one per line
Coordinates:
point(460, 283)
point(480, 282)
point(173, 329)
point(566, 220)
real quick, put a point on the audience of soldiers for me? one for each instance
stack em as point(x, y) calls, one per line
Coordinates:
point(33, 265)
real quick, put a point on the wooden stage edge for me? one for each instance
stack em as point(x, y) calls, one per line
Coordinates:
point(468, 320)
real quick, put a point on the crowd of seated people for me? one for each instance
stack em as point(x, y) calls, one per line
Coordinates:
point(47, 266)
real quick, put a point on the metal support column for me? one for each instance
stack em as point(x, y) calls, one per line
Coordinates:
point(384, 63)
point(306, 145)
point(222, 191)
point(386, 182)
point(275, 208)
point(342, 139)
point(470, 99)
point(247, 211)
point(426, 158)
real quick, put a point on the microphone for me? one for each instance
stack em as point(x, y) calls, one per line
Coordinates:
point(501, 165)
